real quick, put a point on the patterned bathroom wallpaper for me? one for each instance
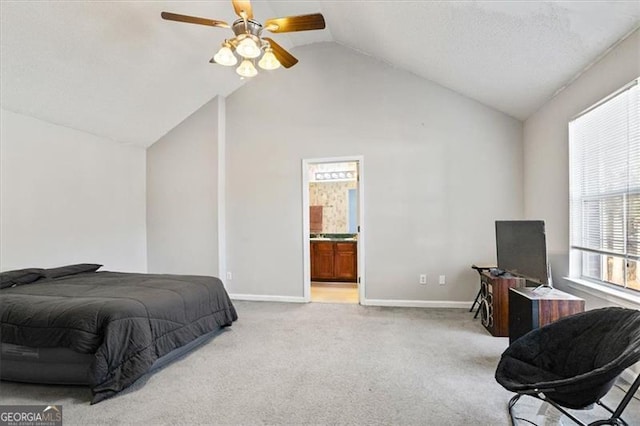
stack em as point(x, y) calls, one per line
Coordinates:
point(333, 197)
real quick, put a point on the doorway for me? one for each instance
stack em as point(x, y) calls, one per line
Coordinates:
point(333, 231)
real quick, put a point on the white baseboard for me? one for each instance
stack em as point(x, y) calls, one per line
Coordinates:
point(417, 303)
point(366, 302)
point(267, 298)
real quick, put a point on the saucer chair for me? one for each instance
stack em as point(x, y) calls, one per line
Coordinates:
point(573, 362)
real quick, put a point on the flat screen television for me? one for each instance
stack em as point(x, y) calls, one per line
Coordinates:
point(522, 249)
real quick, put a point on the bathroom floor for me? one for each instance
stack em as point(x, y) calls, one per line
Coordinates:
point(334, 292)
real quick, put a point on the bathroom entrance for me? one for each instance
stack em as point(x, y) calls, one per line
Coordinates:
point(332, 229)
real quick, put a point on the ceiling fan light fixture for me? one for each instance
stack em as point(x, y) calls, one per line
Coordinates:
point(248, 45)
point(225, 56)
point(247, 48)
point(246, 69)
point(269, 60)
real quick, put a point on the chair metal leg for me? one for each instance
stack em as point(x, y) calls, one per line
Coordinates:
point(477, 310)
point(610, 422)
point(476, 300)
point(515, 399)
point(627, 398)
point(614, 420)
point(565, 412)
point(512, 402)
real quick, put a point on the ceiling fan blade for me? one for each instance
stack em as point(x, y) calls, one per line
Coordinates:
point(289, 24)
point(193, 20)
point(243, 6)
point(285, 58)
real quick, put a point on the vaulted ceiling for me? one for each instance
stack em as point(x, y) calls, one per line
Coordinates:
point(115, 69)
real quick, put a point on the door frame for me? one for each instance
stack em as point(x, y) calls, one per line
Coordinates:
point(306, 249)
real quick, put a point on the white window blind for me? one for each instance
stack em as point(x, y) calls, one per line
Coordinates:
point(604, 150)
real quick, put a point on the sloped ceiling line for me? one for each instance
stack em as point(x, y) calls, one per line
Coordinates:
point(116, 70)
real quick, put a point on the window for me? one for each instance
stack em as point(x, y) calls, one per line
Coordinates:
point(604, 158)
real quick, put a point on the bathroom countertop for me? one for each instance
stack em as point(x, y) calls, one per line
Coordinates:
point(346, 240)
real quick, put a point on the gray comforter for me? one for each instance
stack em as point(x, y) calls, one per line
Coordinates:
point(127, 320)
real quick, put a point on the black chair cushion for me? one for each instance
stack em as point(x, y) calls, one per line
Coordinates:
point(574, 360)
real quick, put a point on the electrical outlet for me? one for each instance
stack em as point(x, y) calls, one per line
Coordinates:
point(229, 276)
point(442, 280)
point(423, 279)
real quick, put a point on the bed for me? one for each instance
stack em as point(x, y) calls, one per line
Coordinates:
point(77, 325)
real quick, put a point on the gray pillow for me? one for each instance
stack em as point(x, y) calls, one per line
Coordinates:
point(20, 277)
point(63, 271)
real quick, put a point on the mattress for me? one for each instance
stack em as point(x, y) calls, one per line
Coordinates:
point(62, 366)
point(126, 322)
point(44, 365)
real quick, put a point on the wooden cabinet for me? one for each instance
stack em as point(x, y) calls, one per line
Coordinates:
point(322, 263)
point(531, 308)
point(494, 303)
point(315, 219)
point(345, 265)
point(334, 261)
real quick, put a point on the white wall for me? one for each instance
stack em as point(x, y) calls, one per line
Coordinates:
point(67, 197)
point(440, 168)
point(182, 197)
point(546, 150)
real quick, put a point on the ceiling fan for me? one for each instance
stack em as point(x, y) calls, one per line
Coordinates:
point(248, 44)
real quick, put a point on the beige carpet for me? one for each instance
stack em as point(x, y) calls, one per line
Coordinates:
point(315, 364)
